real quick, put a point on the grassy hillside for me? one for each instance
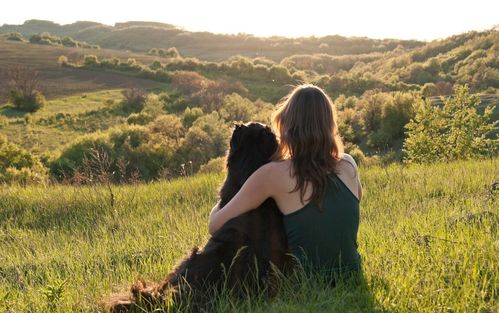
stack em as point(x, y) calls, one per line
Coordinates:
point(57, 80)
point(374, 92)
point(142, 36)
point(62, 120)
point(428, 238)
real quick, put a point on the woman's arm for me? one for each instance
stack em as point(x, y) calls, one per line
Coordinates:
point(353, 180)
point(256, 189)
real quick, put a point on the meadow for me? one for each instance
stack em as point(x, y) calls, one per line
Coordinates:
point(428, 237)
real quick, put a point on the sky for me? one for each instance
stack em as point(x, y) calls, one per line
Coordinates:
point(402, 19)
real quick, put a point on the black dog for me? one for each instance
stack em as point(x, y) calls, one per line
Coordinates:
point(240, 255)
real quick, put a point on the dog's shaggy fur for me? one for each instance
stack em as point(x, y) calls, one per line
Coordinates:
point(240, 256)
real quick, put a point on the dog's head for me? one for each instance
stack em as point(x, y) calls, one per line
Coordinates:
point(251, 146)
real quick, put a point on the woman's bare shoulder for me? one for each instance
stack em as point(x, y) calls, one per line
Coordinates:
point(348, 158)
point(275, 172)
point(278, 165)
point(347, 167)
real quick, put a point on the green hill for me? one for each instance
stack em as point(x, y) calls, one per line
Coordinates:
point(374, 93)
point(142, 36)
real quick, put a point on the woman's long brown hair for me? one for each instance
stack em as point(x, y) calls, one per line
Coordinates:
point(306, 124)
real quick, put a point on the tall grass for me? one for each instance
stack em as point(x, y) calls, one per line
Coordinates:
point(428, 238)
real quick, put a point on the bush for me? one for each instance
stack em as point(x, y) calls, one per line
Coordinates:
point(18, 166)
point(134, 99)
point(236, 108)
point(396, 113)
point(76, 155)
point(36, 38)
point(90, 61)
point(190, 116)
point(153, 105)
point(216, 166)
point(27, 103)
point(141, 118)
point(63, 60)
point(451, 132)
point(172, 53)
point(4, 121)
point(168, 127)
point(15, 36)
point(356, 153)
point(206, 139)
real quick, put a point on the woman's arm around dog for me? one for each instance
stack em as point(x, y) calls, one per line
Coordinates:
point(259, 186)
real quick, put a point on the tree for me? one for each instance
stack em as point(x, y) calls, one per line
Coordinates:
point(236, 108)
point(205, 140)
point(172, 53)
point(90, 60)
point(453, 131)
point(134, 99)
point(190, 116)
point(23, 86)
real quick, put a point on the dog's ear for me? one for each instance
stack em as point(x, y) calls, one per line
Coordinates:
point(268, 140)
point(237, 125)
point(236, 134)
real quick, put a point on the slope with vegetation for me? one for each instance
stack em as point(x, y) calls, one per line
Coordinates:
point(182, 121)
point(143, 36)
point(428, 238)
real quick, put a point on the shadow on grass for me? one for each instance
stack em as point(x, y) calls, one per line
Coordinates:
point(308, 293)
point(9, 111)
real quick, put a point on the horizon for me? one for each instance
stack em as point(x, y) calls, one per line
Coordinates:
point(223, 17)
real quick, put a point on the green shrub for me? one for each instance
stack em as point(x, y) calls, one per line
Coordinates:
point(122, 153)
point(236, 108)
point(75, 156)
point(134, 99)
point(90, 61)
point(63, 60)
point(451, 132)
point(140, 118)
point(356, 153)
point(18, 166)
point(27, 103)
point(153, 105)
point(15, 36)
point(70, 42)
point(4, 121)
point(216, 166)
point(206, 139)
point(190, 116)
point(35, 38)
point(168, 127)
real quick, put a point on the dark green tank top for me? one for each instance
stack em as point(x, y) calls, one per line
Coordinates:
point(326, 239)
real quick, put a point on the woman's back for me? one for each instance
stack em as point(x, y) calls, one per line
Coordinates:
point(283, 180)
point(323, 237)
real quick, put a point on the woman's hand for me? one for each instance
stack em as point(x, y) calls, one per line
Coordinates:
point(254, 192)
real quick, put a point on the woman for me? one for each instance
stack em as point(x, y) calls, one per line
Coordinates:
point(315, 185)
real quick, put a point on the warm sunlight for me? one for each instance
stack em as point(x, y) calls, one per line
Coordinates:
point(425, 19)
point(249, 156)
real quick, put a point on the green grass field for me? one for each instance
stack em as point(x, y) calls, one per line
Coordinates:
point(428, 238)
point(61, 120)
